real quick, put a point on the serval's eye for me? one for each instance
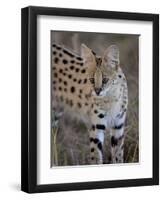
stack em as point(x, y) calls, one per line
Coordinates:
point(92, 80)
point(105, 80)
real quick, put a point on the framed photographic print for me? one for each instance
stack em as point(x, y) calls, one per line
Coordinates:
point(90, 99)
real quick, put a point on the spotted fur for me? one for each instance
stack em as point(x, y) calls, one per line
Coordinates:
point(95, 88)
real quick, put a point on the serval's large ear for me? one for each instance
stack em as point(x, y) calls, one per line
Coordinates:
point(111, 57)
point(89, 58)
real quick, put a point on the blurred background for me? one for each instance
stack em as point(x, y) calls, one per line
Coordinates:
point(70, 138)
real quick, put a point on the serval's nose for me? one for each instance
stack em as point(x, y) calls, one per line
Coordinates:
point(97, 90)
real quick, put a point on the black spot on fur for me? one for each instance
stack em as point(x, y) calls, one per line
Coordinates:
point(60, 55)
point(99, 146)
point(55, 75)
point(77, 69)
point(78, 58)
point(114, 141)
point(54, 82)
point(100, 126)
point(118, 126)
point(91, 139)
point(56, 60)
point(87, 96)
point(85, 80)
point(68, 53)
point(80, 96)
point(72, 89)
point(59, 48)
point(92, 149)
point(92, 158)
point(65, 61)
point(60, 80)
point(61, 70)
point(65, 89)
point(83, 71)
point(66, 69)
point(79, 81)
point(93, 127)
point(120, 76)
point(71, 67)
point(70, 76)
point(96, 140)
point(101, 115)
point(74, 79)
point(54, 52)
point(81, 64)
point(72, 61)
point(65, 82)
point(79, 105)
point(81, 91)
point(60, 88)
point(64, 74)
point(86, 104)
point(95, 111)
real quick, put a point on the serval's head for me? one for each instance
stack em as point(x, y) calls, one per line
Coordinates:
point(101, 70)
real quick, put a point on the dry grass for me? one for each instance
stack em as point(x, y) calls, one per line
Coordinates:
point(69, 138)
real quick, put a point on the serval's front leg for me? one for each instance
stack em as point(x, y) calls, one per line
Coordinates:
point(117, 143)
point(96, 134)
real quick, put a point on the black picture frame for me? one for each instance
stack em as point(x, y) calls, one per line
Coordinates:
point(29, 98)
